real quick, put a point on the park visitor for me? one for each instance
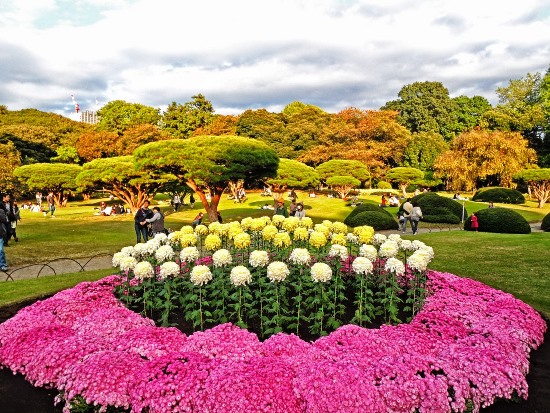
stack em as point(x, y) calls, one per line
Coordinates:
point(407, 209)
point(140, 218)
point(197, 220)
point(13, 223)
point(176, 202)
point(416, 216)
point(192, 201)
point(281, 209)
point(7, 207)
point(156, 221)
point(300, 211)
point(475, 223)
point(50, 199)
point(3, 226)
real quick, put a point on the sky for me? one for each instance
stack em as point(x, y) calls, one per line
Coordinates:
point(252, 54)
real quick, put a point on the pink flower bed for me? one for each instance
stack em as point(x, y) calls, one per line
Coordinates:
point(469, 343)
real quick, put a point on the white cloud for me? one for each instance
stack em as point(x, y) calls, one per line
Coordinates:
point(249, 53)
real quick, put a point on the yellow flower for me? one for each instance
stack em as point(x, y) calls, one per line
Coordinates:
point(339, 239)
point(301, 234)
point(188, 240)
point(305, 222)
point(257, 224)
point(269, 232)
point(365, 234)
point(317, 239)
point(322, 228)
point(278, 220)
point(187, 229)
point(234, 231)
point(201, 229)
point(241, 241)
point(212, 242)
point(290, 223)
point(327, 223)
point(339, 227)
point(246, 223)
point(282, 240)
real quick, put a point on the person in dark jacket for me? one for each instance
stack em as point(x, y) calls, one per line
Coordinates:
point(3, 223)
point(140, 223)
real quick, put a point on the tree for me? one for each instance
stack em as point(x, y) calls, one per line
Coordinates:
point(119, 116)
point(293, 174)
point(119, 177)
point(480, 155)
point(66, 154)
point(208, 163)
point(55, 177)
point(404, 176)
point(470, 111)
point(97, 144)
point(425, 107)
point(220, 125)
point(136, 136)
point(423, 150)
point(260, 124)
point(538, 181)
point(343, 184)
point(10, 160)
point(343, 167)
point(180, 121)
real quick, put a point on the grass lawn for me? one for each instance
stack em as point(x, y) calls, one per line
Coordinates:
point(513, 263)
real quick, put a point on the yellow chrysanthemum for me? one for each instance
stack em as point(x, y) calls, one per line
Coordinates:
point(213, 227)
point(305, 222)
point(301, 234)
point(212, 242)
point(241, 241)
point(327, 223)
point(282, 240)
point(187, 240)
point(339, 227)
point(201, 230)
point(290, 223)
point(187, 229)
point(246, 222)
point(278, 220)
point(257, 224)
point(234, 231)
point(322, 228)
point(365, 234)
point(317, 239)
point(339, 239)
point(269, 232)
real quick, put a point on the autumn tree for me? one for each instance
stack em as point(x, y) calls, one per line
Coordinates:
point(423, 149)
point(404, 176)
point(220, 125)
point(119, 177)
point(208, 163)
point(136, 136)
point(96, 144)
point(478, 155)
point(55, 177)
point(118, 116)
point(292, 174)
point(181, 120)
point(538, 181)
point(11, 159)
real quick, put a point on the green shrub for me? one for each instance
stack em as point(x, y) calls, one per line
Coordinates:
point(366, 207)
point(545, 226)
point(438, 209)
point(379, 220)
point(499, 220)
point(383, 185)
point(501, 195)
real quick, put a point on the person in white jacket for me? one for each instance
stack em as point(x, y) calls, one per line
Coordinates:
point(416, 216)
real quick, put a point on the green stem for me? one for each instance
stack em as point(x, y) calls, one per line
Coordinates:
point(200, 307)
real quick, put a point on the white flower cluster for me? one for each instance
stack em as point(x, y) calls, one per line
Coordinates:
point(338, 251)
point(394, 265)
point(164, 253)
point(378, 239)
point(352, 238)
point(300, 256)
point(258, 258)
point(368, 251)
point(200, 275)
point(143, 270)
point(240, 275)
point(169, 269)
point(388, 249)
point(189, 254)
point(321, 272)
point(362, 265)
point(277, 271)
point(222, 257)
point(126, 263)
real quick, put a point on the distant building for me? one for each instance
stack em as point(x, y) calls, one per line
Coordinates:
point(89, 116)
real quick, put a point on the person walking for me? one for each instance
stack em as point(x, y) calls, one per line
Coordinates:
point(140, 223)
point(474, 222)
point(176, 202)
point(50, 199)
point(416, 216)
point(407, 209)
point(156, 221)
point(3, 226)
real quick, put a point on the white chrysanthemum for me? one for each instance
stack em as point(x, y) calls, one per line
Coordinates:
point(143, 270)
point(127, 263)
point(378, 239)
point(321, 272)
point(418, 244)
point(362, 265)
point(394, 265)
point(352, 238)
point(395, 237)
point(200, 275)
point(164, 253)
point(240, 275)
point(258, 258)
point(388, 249)
point(407, 245)
point(222, 257)
point(169, 269)
point(117, 258)
point(128, 250)
point(189, 254)
point(368, 251)
point(139, 250)
point(277, 271)
point(418, 261)
point(300, 256)
point(338, 251)
point(428, 251)
point(161, 237)
point(151, 246)
point(171, 236)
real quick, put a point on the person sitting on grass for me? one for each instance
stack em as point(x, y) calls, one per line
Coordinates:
point(197, 220)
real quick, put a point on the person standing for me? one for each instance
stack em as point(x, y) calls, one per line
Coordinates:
point(416, 216)
point(292, 208)
point(7, 207)
point(3, 225)
point(156, 221)
point(407, 209)
point(140, 218)
point(39, 198)
point(13, 223)
point(474, 222)
point(176, 201)
point(192, 201)
point(50, 199)
point(293, 196)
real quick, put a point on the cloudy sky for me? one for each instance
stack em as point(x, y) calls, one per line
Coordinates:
point(250, 54)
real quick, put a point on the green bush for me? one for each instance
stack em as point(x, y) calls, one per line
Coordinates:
point(499, 220)
point(379, 220)
point(501, 195)
point(366, 207)
point(383, 185)
point(438, 209)
point(545, 226)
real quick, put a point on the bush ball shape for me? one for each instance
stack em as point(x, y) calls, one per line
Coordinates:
point(501, 195)
point(439, 209)
point(363, 208)
point(376, 219)
point(545, 226)
point(499, 220)
point(383, 185)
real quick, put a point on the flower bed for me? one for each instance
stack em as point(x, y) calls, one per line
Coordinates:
point(467, 345)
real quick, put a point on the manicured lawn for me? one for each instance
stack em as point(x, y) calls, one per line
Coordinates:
point(513, 263)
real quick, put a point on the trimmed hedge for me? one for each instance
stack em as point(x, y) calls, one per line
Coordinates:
point(377, 217)
point(499, 220)
point(438, 209)
point(383, 185)
point(501, 195)
point(545, 226)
